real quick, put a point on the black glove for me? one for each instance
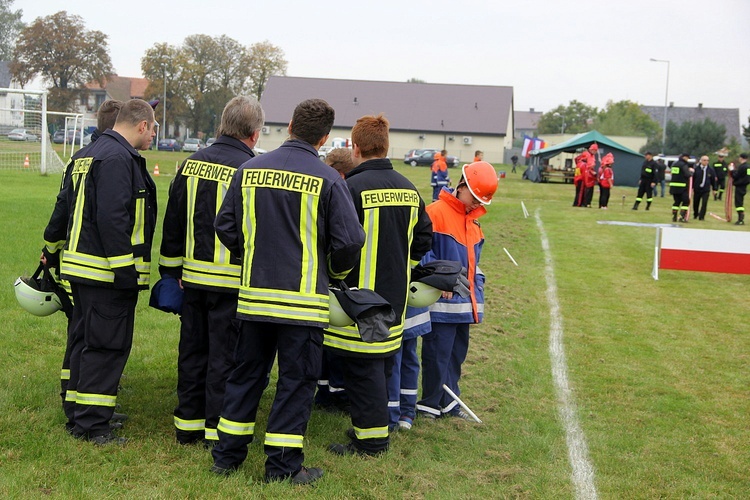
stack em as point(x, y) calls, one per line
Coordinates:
point(463, 287)
point(53, 259)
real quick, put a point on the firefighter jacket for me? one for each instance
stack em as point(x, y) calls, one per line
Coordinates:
point(398, 233)
point(739, 175)
point(680, 175)
point(720, 167)
point(606, 176)
point(457, 236)
point(189, 247)
point(290, 219)
point(649, 172)
point(112, 214)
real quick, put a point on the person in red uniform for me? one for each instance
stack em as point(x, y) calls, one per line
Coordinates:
point(606, 179)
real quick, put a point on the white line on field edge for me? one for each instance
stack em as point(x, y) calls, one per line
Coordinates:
point(578, 454)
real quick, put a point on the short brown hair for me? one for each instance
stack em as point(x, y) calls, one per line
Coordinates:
point(106, 116)
point(241, 117)
point(312, 120)
point(340, 159)
point(134, 112)
point(370, 134)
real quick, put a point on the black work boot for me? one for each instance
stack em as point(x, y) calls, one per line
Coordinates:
point(674, 215)
point(635, 205)
point(740, 219)
point(648, 205)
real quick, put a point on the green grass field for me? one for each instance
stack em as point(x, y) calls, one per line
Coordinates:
point(659, 372)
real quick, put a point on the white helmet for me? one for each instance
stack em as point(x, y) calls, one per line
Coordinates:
point(336, 315)
point(422, 295)
point(33, 299)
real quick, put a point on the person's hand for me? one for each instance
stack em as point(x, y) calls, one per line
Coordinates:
point(653, 184)
point(447, 295)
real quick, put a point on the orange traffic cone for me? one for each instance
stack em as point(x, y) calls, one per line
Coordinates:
point(156, 169)
point(26, 162)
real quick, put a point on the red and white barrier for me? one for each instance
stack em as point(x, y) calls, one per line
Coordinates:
point(703, 250)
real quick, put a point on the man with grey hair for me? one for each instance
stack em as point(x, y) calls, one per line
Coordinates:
point(208, 272)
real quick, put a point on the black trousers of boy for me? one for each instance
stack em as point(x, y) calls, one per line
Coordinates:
point(366, 383)
point(603, 196)
point(107, 332)
point(208, 336)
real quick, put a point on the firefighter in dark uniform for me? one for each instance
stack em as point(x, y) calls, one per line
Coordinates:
point(740, 180)
point(720, 167)
point(291, 219)
point(678, 187)
point(649, 175)
point(55, 235)
point(210, 274)
point(106, 258)
point(398, 233)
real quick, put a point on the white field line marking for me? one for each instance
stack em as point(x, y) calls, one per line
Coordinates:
point(578, 454)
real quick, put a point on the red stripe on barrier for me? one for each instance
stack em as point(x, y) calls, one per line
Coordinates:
point(709, 262)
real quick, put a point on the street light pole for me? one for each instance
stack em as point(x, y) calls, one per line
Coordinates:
point(164, 105)
point(562, 127)
point(666, 100)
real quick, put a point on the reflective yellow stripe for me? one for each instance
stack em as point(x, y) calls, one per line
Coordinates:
point(170, 261)
point(248, 232)
point(212, 267)
point(78, 178)
point(335, 275)
point(389, 198)
point(236, 428)
point(285, 440)
point(347, 338)
point(139, 225)
point(211, 434)
point(65, 374)
point(95, 399)
point(281, 179)
point(70, 396)
point(368, 259)
point(280, 311)
point(200, 278)
point(371, 433)
point(190, 193)
point(308, 234)
point(53, 247)
point(190, 425)
point(221, 253)
point(284, 297)
point(196, 169)
point(121, 260)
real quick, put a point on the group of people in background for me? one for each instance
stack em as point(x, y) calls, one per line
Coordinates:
point(587, 176)
point(251, 245)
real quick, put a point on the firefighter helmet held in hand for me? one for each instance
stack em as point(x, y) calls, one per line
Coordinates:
point(33, 299)
point(336, 315)
point(422, 295)
point(481, 179)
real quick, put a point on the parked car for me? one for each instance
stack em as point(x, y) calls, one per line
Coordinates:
point(59, 136)
point(169, 145)
point(210, 141)
point(192, 144)
point(323, 152)
point(426, 156)
point(21, 134)
point(259, 151)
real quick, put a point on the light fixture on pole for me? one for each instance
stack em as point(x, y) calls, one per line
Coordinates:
point(562, 127)
point(666, 100)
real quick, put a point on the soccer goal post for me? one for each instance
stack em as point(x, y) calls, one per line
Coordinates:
point(24, 135)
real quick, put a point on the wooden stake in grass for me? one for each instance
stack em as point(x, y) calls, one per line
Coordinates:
point(461, 403)
point(511, 257)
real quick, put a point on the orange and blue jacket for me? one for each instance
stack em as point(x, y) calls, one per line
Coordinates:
point(439, 175)
point(457, 236)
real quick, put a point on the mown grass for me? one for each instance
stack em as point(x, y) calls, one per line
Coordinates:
point(659, 371)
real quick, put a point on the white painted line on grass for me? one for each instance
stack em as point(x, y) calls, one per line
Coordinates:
point(578, 454)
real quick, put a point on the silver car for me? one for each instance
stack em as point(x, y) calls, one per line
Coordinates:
point(192, 145)
point(21, 134)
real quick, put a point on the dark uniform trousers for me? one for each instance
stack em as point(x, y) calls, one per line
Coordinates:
point(366, 383)
point(700, 203)
point(680, 201)
point(444, 350)
point(300, 352)
point(73, 348)
point(645, 188)
point(208, 336)
point(106, 330)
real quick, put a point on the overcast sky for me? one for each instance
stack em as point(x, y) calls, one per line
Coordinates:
point(550, 51)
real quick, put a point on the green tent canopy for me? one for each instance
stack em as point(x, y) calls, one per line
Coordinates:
point(627, 165)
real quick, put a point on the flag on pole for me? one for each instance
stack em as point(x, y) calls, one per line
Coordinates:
point(528, 145)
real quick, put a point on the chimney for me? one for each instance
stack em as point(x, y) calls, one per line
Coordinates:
point(531, 110)
point(700, 105)
point(671, 104)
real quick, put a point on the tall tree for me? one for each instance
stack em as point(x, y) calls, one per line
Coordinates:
point(696, 138)
point(746, 130)
point(64, 53)
point(10, 27)
point(265, 61)
point(160, 62)
point(626, 118)
point(578, 117)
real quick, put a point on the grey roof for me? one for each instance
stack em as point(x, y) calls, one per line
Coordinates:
point(5, 75)
point(526, 120)
point(425, 107)
point(729, 117)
